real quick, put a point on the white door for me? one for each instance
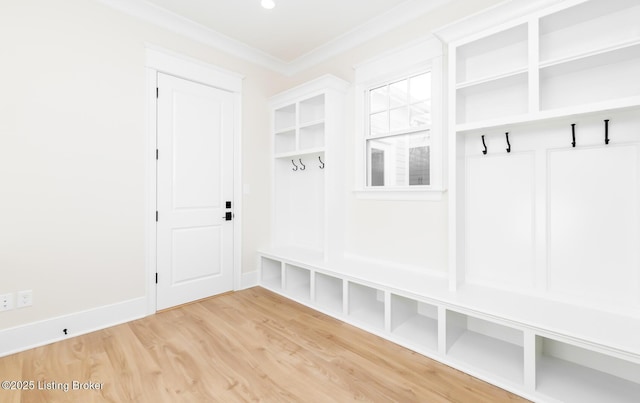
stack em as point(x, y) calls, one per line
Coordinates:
point(195, 182)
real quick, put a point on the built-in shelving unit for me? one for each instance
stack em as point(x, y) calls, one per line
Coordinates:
point(542, 293)
point(307, 130)
point(528, 193)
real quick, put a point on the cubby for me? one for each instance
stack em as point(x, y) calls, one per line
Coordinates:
point(493, 56)
point(312, 110)
point(414, 322)
point(587, 28)
point(329, 293)
point(297, 282)
point(570, 373)
point(504, 96)
point(487, 346)
point(366, 305)
point(271, 273)
point(610, 76)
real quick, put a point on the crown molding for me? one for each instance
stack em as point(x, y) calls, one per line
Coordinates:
point(506, 11)
point(192, 30)
point(377, 26)
point(394, 18)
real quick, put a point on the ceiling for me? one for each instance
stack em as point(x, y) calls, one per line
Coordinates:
point(290, 30)
point(290, 37)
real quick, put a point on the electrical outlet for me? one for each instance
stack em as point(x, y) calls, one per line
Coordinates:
point(6, 302)
point(25, 298)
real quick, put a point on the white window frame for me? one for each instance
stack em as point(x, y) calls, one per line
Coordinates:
point(424, 55)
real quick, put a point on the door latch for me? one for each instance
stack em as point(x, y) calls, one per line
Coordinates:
point(228, 216)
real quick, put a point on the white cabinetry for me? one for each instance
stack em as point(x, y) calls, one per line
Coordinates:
point(544, 200)
point(307, 168)
point(542, 294)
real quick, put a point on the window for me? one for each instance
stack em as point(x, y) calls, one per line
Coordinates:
point(399, 127)
point(399, 121)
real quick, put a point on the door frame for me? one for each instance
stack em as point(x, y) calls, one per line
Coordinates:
point(159, 60)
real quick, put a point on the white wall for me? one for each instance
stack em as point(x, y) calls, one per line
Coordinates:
point(72, 153)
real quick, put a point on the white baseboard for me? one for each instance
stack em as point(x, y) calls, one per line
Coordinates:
point(249, 280)
point(47, 331)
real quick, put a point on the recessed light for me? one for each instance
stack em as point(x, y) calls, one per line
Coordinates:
point(268, 4)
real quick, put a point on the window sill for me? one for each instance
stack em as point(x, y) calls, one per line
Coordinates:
point(399, 194)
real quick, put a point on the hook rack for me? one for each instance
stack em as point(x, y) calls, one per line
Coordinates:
point(606, 131)
point(508, 144)
point(321, 163)
point(573, 134)
point(303, 165)
point(295, 166)
point(485, 146)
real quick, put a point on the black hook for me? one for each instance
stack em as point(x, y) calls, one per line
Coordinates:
point(485, 146)
point(303, 166)
point(508, 144)
point(321, 163)
point(606, 131)
point(294, 164)
point(573, 134)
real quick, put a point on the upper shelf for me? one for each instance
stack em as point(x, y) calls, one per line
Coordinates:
point(580, 59)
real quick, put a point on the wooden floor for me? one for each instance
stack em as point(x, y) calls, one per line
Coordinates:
point(251, 345)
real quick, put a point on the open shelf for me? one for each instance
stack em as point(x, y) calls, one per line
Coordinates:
point(271, 273)
point(415, 322)
point(493, 55)
point(285, 118)
point(574, 374)
point(506, 96)
point(297, 282)
point(608, 76)
point(366, 305)
point(285, 142)
point(312, 109)
point(329, 293)
point(489, 347)
point(312, 136)
point(588, 27)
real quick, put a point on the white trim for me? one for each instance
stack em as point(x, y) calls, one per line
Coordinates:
point(48, 331)
point(165, 61)
point(377, 26)
point(192, 30)
point(396, 17)
point(399, 194)
point(423, 54)
point(190, 68)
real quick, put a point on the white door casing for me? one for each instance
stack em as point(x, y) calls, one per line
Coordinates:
point(194, 180)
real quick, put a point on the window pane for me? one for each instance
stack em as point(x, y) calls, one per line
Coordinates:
point(419, 166)
point(398, 94)
point(378, 99)
point(420, 114)
point(379, 123)
point(399, 119)
point(377, 167)
point(401, 160)
point(420, 87)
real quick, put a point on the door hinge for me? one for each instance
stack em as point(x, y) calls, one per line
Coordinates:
point(157, 92)
point(156, 215)
point(156, 278)
point(156, 153)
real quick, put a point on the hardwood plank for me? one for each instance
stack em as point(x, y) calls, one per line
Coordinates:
point(251, 345)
